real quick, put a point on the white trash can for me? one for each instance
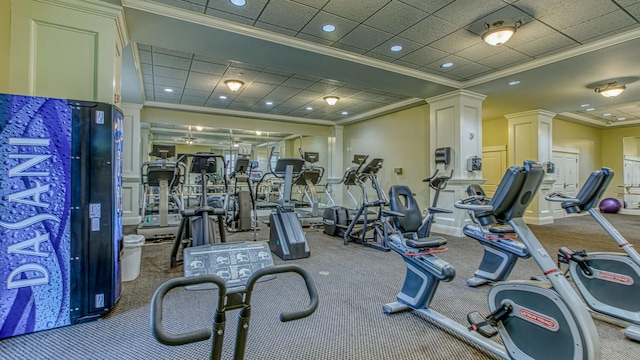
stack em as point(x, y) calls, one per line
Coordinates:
point(131, 257)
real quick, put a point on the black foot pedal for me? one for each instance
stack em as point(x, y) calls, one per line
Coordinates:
point(481, 325)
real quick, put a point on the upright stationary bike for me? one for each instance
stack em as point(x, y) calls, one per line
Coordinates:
point(535, 319)
point(609, 282)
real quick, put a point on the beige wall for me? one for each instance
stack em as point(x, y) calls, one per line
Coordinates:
point(5, 44)
point(612, 154)
point(495, 132)
point(584, 138)
point(402, 140)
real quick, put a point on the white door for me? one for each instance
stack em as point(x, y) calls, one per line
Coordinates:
point(566, 176)
point(494, 165)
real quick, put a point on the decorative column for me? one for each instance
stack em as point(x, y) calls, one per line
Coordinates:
point(131, 164)
point(69, 49)
point(455, 121)
point(336, 166)
point(530, 138)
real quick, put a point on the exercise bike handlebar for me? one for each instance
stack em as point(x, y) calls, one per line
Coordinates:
point(158, 330)
point(473, 203)
point(436, 181)
point(311, 289)
point(561, 197)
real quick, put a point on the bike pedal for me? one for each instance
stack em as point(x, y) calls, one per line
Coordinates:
point(481, 325)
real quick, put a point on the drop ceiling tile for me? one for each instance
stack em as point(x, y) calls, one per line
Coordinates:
point(435, 67)
point(395, 17)
point(208, 68)
point(634, 10)
point(185, 5)
point(528, 32)
point(230, 17)
point(428, 6)
point(280, 110)
point(282, 93)
point(479, 51)
point(236, 73)
point(343, 26)
point(318, 4)
point(294, 103)
point(159, 50)
point(163, 81)
point(196, 93)
point(170, 72)
point(217, 102)
point(407, 64)
point(322, 87)
point(504, 59)
point(297, 83)
point(287, 14)
point(196, 81)
point(603, 26)
point(456, 41)
point(470, 71)
point(145, 56)
point(554, 13)
point(365, 37)
point(275, 29)
point(384, 49)
point(143, 47)
point(424, 55)
point(429, 30)
point(171, 61)
point(315, 39)
point(147, 79)
point(311, 95)
point(346, 91)
point(149, 94)
point(379, 56)
point(544, 45)
point(198, 101)
point(356, 10)
point(146, 69)
point(272, 79)
point(464, 12)
point(251, 10)
point(257, 90)
point(167, 99)
point(211, 60)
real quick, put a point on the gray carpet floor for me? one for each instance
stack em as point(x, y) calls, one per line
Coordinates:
point(353, 283)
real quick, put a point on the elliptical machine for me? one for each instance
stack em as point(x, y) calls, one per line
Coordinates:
point(197, 226)
point(609, 282)
point(535, 319)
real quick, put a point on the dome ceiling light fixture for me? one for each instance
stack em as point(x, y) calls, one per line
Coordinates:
point(612, 89)
point(498, 33)
point(234, 85)
point(331, 100)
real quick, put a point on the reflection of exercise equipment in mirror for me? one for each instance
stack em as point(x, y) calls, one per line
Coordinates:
point(198, 226)
point(609, 282)
point(228, 299)
point(535, 319)
point(240, 203)
point(162, 199)
point(286, 237)
point(311, 176)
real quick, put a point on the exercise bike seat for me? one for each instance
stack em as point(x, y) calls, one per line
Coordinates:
point(426, 243)
point(501, 229)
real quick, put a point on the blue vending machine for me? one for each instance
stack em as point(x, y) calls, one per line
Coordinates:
point(60, 212)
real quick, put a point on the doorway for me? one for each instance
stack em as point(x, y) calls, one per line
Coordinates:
point(567, 166)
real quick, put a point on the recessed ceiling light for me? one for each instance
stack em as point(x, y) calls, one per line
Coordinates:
point(309, 108)
point(199, 128)
point(447, 65)
point(269, 103)
point(345, 113)
point(589, 109)
point(168, 90)
point(621, 118)
point(584, 105)
point(238, 2)
point(514, 82)
point(606, 114)
point(222, 97)
point(396, 48)
point(328, 28)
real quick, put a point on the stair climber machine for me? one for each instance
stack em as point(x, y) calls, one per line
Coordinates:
point(229, 298)
point(535, 319)
point(311, 176)
point(363, 222)
point(609, 282)
point(198, 226)
point(240, 203)
point(162, 180)
point(286, 237)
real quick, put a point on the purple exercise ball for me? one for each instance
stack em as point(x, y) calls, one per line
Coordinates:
point(610, 205)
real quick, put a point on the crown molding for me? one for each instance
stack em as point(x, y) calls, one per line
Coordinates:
point(381, 111)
